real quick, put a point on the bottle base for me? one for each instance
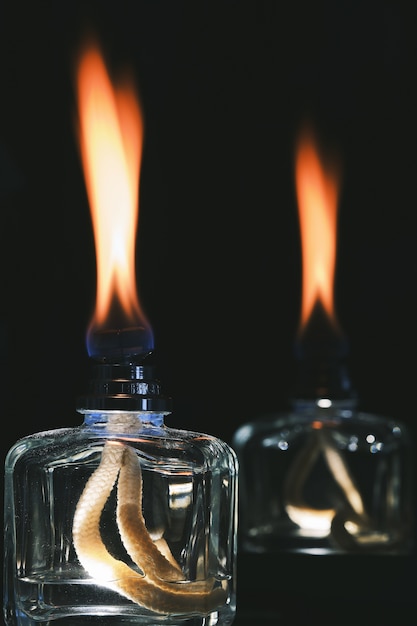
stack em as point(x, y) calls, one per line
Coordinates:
point(288, 540)
point(223, 617)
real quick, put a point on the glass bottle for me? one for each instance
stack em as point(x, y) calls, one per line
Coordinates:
point(324, 477)
point(121, 520)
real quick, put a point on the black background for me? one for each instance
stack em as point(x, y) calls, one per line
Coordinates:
point(225, 87)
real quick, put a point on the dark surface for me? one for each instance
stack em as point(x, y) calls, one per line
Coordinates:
point(291, 590)
point(225, 86)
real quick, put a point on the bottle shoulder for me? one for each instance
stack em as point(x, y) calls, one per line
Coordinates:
point(160, 445)
point(343, 425)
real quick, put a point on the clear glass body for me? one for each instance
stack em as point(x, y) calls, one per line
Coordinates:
point(120, 521)
point(325, 481)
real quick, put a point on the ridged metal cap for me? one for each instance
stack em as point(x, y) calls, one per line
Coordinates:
point(124, 387)
point(321, 354)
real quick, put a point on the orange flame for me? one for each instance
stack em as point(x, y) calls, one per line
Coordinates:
point(110, 139)
point(317, 196)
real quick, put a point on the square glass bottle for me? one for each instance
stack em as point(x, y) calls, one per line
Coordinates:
point(325, 477)
point(121, 520)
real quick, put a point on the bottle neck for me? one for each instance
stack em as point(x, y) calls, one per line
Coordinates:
point(127, 422)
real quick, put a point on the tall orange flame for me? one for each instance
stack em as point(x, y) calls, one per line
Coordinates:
point(110, 139)
point(317, 191)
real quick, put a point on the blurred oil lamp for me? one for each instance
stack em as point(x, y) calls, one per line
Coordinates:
point(323, 477)
point(121, 520)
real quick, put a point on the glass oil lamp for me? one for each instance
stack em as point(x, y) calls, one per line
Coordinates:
point(324, 477)
point(121, 520)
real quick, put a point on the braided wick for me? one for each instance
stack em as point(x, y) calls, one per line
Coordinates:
point(159, 585)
